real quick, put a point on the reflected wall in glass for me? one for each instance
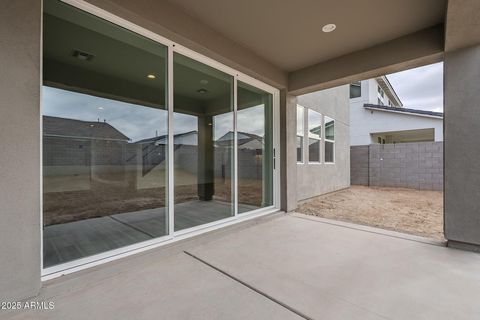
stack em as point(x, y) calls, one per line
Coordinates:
point(104, 136)
point(203, 143)
point(254, 148)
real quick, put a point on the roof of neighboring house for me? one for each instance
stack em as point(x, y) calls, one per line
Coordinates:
point(64, 127)
point(164, 136)
point(416, 112)
point(389, 90)
point(243, 137)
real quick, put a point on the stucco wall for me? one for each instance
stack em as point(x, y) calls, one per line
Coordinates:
point(19, 149)
point(317, 179)
point(363, 122)
point(462, 129)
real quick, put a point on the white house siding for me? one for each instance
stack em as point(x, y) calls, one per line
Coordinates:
point(363, 121)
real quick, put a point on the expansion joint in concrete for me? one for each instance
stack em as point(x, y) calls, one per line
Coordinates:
point(266, 295)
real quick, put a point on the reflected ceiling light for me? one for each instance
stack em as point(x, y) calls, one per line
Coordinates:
point(100, 108)
point(151, 76)
point(329, 27)
point(82, 55)
point(202, 91)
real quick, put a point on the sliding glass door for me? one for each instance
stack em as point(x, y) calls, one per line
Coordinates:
point(118, 173)
point(254, 148)
point(104, 136)
point(203, 143)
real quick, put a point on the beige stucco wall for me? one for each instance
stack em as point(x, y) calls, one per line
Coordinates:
point(317, 179)
point(19, 149)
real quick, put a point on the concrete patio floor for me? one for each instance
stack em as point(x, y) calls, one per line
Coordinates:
point(277, 267)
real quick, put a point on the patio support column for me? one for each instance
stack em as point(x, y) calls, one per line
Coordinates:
point(461, 146)
point(288, 146)
point(205, 158)
point(20, 25)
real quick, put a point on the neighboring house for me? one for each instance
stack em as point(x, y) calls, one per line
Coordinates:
point(246, 140)
point(73, 150)
point(378, 116)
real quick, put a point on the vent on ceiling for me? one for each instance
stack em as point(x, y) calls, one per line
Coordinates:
point(82, 55)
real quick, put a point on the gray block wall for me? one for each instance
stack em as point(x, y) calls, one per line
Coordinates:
point(408, 165)
point(359, 165)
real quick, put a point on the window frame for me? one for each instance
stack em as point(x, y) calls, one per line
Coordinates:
point(332, 141)
point(355, 84)
point(301, 134)
point(311, 136)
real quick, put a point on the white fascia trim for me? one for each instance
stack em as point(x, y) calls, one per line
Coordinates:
point(405, 113)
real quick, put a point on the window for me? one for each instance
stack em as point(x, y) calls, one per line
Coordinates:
point(314, 135)
point(355, 90)
point(380, 102)
point(380, 91)
point(300, 129)
point(329, 140)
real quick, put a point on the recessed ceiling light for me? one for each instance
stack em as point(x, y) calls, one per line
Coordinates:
point(329, 27)
point(202, 91)
point(100, 108)
point(82, 55)
point(203, 81)
point(151, 76)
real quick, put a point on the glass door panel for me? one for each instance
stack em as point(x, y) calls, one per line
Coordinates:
point(104, 136)
point(254, 148)
point(203, 143)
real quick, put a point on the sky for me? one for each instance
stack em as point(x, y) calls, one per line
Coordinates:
point(140, 122)
point(420, 88)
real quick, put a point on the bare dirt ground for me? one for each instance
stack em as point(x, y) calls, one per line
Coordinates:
point(103, 199)
point(404, 210)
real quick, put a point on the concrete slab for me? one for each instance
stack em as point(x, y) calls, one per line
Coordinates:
point(175, 287)
point(334, 272)
point(275, 268)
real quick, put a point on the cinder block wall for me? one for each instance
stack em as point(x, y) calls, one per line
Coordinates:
point(408, 165)
point(359, 165)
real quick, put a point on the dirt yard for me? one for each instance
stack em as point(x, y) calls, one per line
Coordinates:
point(404, 210)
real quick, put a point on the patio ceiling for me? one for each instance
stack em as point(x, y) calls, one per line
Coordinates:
point(281, 42)
point(289, 34)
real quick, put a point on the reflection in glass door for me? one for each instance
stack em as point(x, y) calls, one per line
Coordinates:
point(104, 136)
point(254, 148)
point(203, 143)
point(106, 140)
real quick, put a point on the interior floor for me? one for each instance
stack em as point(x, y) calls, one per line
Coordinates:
point(83, 238)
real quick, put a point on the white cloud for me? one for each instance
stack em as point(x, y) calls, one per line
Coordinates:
point(420, 88)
